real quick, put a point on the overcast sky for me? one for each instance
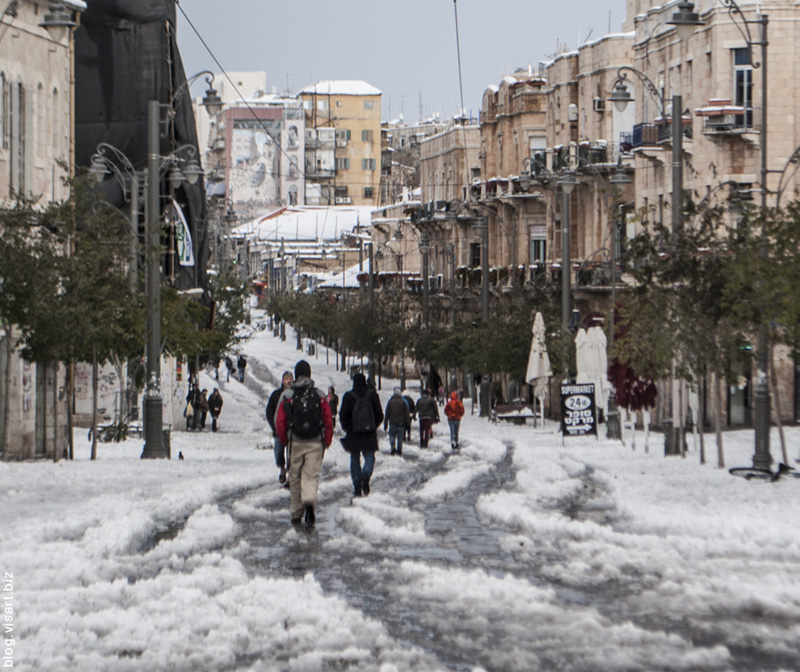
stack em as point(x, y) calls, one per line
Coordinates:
point(407, 49)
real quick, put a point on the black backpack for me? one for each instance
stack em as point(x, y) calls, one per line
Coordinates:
point(304, 412)
point(363, 415)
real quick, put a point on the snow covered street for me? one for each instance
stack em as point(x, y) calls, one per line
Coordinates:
point(517, 553)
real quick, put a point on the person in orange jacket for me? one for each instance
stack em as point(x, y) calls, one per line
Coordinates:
point(454, 410)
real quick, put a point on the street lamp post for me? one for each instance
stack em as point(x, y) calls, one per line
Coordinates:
point(685, 21)
point(567, 183)
point(425, 248)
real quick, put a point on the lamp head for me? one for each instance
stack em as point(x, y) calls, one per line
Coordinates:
point(685, 20)
point(620, 96)
point(568, 182)
point(58, 22)
point(98, 170)
point(192, 171)
point(212, 102)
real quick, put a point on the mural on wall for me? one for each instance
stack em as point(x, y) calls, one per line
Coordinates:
point(255, 164)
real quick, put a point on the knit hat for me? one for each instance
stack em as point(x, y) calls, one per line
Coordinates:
point(398, 391)
point(302, 368)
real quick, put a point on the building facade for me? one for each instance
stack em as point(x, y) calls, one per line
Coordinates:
point(342, 143)
point(36, 140)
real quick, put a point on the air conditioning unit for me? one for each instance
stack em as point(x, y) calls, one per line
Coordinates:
point(343, 200)
point(572, 112)
point(599, 104)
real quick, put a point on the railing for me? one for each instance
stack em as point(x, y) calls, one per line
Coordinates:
point(733, 123)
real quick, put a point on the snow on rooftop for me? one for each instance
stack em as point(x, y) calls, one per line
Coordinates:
point(310, 223)
point(341, 87)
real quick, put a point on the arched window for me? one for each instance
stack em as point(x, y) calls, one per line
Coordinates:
point(55, 126)
point(40, 109)
point(3, 111)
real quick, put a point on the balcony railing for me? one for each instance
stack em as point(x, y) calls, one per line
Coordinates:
point(732, 121)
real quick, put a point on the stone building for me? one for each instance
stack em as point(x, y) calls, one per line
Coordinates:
point(36, 136)
point(342, 143)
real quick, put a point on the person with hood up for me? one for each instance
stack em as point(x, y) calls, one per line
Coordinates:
point(454, 410)
point(304, 424)
point(428, 413)
point(396, 421)
point(361, 415)
point(214, 408)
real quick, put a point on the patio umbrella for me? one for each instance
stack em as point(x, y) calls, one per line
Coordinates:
point(592, 362)
point(539, 370)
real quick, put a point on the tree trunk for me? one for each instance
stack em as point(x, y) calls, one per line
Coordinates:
point(55, 412)
point(6, 401)
point(70, 393)
point(718, 419)
point(698, 421)
point(773, 383)
point(94, 405)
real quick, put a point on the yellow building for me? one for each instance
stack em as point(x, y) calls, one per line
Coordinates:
point(343, 143)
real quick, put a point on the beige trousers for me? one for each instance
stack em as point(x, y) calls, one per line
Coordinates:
point(304, 470)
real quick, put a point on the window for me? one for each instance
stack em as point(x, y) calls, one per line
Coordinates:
point(3, 111)
point(340, 192)
point(474, 255)
point(743, 85)
point(339, 103)
point(343, 164)
point(368, 164)
point(322, 104)
point(368, 104)
point(293, 195)
point(368, 192)
point(342, 134)
point(307, 105)
point(366, 136)
point(538, 251)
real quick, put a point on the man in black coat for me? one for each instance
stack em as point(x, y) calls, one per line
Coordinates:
point(361, 429)
point(272, 407)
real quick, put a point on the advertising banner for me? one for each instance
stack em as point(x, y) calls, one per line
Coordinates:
point(578, 414)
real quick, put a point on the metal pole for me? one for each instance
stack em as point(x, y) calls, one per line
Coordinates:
point(452, 252)
point(425, 252)
point(153, 410)
point(762, 458)
point(566, 263)
point(484, 224)
point(133, 273)
point(371, 284)
point(677, 165)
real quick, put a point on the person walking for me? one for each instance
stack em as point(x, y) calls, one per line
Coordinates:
point(272, 406)
point(412, 409)
point(203, 402)
point(241, 365)
point(454, 410)
point(396, 421)
point(191, 406)
point(304, 424)
point(214, 407)
point(333, 402)
point(229, 369)
point(428, 413)
point(361, 415)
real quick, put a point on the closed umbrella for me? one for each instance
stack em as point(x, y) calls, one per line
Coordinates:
point(592, 362)
point(539, 370)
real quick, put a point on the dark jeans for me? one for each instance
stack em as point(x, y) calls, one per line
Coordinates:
point(280, 452)
point(396, 434)
point(359, 473)
point(425, 431)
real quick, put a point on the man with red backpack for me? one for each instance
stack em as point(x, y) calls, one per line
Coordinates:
point(304, 424)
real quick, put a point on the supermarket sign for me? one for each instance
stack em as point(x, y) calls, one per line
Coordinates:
point(578, 412)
